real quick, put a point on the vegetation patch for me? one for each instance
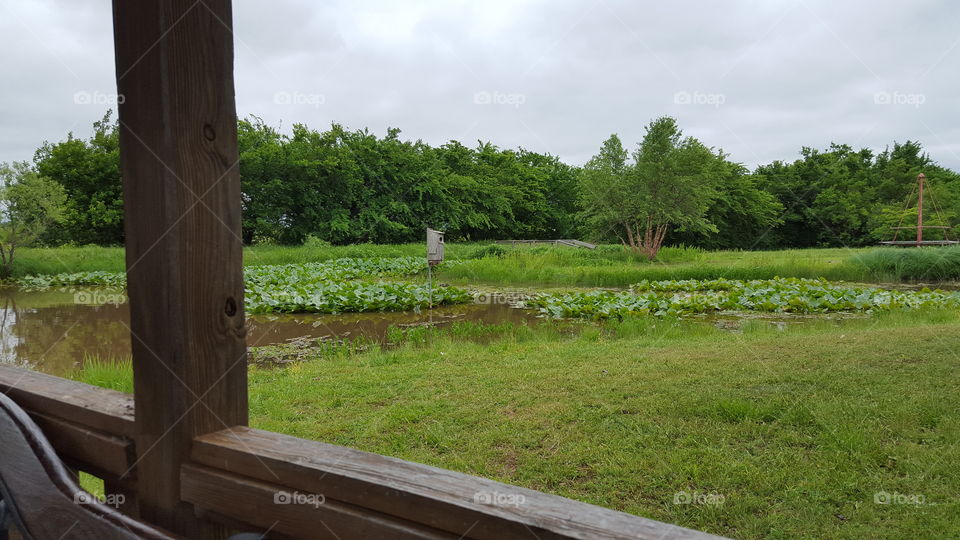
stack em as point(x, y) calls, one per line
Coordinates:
point(95, 278)
point(349, 296)
point(782, 295)
point(929, 264)
point(329, 287)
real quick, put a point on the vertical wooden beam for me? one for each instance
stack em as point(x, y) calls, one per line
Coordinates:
point(181, 188)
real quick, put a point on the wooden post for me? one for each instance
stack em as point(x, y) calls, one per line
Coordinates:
point(181, 187)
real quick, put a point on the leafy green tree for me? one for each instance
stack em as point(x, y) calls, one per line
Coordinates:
point(674, 182)
point(846, 197)
point(670, 185)
point(342, 186)
point(89, 171)
point(263, 180)
point(29, 204)
point(604, 191)
point(742, 212)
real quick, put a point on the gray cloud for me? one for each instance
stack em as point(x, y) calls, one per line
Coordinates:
point(759, 79)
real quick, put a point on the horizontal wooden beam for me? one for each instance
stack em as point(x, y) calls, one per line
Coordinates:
point(101, 454)
point(277, 509)
point(96, 408)
point(90, 428)
point(456, 503)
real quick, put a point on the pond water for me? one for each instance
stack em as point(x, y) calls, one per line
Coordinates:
point(52, 331)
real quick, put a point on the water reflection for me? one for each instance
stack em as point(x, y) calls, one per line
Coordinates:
point(52, 331)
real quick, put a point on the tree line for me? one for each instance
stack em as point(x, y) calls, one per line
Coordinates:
point(346, 186)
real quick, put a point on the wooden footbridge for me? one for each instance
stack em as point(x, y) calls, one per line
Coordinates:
point(177, 457)
point(560, 242)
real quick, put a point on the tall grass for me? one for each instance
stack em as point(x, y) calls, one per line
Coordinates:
point(115, 374)
point(563, 269)
point(925, 264)
point(606, 266)
point(47, 261)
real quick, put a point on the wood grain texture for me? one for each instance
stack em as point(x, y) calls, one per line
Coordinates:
point(181, 188)
point(49, 502)
point(96, 408)
point(433, 497)
point(296, 514)
point(101, 454)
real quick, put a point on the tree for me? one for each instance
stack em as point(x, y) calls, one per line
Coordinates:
point(89, 171)
point(29, 203)
point(670, 185)
point(604, 190)
point(743, 213)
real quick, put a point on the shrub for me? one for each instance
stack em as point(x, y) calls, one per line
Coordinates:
point(482, 252)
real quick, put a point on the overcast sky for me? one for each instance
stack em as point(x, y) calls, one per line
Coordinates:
point(758, 79)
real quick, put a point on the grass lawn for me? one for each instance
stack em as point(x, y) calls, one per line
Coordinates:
point(773, 434)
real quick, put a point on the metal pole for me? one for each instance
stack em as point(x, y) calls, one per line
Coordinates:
point(920, 179)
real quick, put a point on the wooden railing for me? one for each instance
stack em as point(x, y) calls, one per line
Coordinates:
point(255, 480)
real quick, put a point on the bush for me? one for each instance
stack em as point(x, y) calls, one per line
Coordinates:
point(312, 241)
point(492, 250)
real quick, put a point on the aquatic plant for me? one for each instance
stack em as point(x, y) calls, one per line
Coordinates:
point(329, 287)
point(779, 295)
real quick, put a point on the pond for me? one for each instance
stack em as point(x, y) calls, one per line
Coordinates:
point(53, 330)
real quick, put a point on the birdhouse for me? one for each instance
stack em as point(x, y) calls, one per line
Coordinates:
point(434, 247)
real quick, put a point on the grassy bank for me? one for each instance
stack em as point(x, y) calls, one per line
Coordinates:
point(566, 267)
point(46, 261)
point(607, 266)
point(766, 433)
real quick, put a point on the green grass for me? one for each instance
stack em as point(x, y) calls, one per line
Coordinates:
point(31, 261)
point(563, 267)
point(797, 430)
point(115, 374)
point(930, 264)
point(607, 266)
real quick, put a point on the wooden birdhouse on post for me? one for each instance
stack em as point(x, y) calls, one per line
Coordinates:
point(434, 247)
